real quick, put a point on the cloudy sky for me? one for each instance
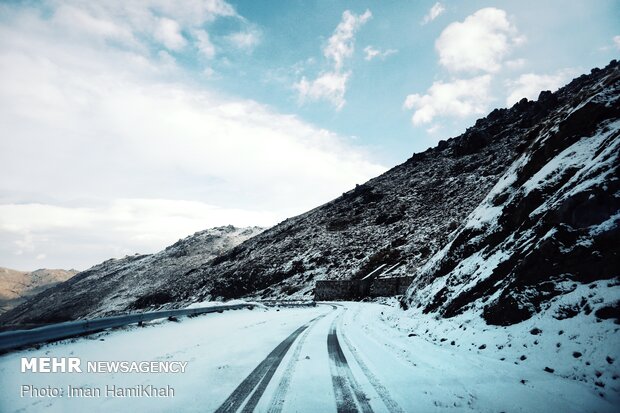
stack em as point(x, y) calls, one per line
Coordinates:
point(126, 125)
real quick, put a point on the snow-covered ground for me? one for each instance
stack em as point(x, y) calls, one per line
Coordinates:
point(361, 356)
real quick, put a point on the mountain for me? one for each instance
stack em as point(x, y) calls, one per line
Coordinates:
point(17, 286)
point(550, 225)
point(532, 275)
point(479, 221)
point(411, 212)
point(130, 283)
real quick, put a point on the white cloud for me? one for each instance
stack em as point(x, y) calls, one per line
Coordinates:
point(331, 85)
point(616, 40)
point(209, 72)
point(529, 85)
point(166, 60)
point(460, 98)
point(129, 216)
point(115, 228)
point(24, 244)
point(144, 15)
point(197, 11)
point(128, 153)
point(340, 45)
point(83, 23)
point(138, 24)
point(247, 40)
point(204, 45)
point(515, 64)
point(372, 53)
point(433, 13)
point(479, 43)
point(168, 32)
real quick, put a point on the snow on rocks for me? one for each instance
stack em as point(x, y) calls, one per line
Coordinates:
point(549, 222)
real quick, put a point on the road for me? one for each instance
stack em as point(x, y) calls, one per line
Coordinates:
point(348, 360)
point(261, 391)
point(340, 357)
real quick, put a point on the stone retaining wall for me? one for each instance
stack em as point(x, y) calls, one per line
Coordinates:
point(357, 289)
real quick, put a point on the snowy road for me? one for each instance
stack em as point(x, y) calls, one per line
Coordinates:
point(348, 394)
point(341, 357)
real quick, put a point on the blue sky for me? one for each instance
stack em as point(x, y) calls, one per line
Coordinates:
point(558, 38)
point(127, 125)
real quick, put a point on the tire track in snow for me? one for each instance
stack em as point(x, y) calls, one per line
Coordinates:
point(381, 390)
point(277, 400)
point(256, 382)
point(346, 388)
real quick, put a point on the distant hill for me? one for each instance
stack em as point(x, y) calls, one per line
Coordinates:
point(134, 282)
point(18, 286)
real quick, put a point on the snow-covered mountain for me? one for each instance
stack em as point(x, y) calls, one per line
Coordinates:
point(549, 225)
point(532, 276)
point(17, 286)
point(131, 283)
point(412, 211)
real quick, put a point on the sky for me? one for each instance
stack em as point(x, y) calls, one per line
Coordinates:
point(128, 125)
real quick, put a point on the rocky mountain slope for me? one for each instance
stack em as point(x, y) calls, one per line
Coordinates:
point(409, 213)
point(133, 282)
point(532, 277)
point(472, 197)
point(550, 224)
point(18, 286)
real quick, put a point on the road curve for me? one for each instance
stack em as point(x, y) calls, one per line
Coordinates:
point(268, 386)
point(342, 357)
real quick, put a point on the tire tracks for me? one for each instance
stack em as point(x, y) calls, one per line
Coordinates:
point(256, 382)
point(381, 390)
point(277, 400)
point(349, 395)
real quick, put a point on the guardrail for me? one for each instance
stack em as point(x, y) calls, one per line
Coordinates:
point(287, 303)
point(19, 338)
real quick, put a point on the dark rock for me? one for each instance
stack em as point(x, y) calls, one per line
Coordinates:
point(609, 312)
